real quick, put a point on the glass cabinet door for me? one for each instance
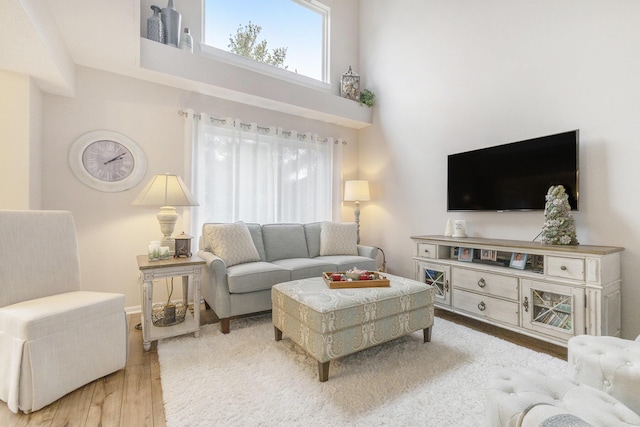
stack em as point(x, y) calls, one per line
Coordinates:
point(437, 276)
point(553, 309)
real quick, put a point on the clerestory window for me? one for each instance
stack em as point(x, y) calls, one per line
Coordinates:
point(289, 35)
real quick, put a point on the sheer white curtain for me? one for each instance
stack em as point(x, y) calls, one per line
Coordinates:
point(251, 173)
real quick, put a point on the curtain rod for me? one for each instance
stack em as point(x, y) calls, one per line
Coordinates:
point(248, 125)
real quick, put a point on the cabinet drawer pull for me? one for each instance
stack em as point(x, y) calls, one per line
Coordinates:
point(482, 306)
point(563, 268)
point(525, 304)
point(426, 251)
point(482, 283)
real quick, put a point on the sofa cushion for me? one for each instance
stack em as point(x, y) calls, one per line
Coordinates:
point(312, 233)
point(347, 262)
point(255, 276)
point(339, 238)
point(256, 234)
point(40, 317)
point(302, 268)
point(283, 241)
point(232, 243)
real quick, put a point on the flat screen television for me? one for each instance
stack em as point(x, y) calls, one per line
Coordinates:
point(515, 176)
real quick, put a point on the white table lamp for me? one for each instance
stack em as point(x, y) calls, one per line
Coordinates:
point(166, 191)
point(356, 191)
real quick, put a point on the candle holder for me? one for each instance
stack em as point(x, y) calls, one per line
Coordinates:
point(183, 245)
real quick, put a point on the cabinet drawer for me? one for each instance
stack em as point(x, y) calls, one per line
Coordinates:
point(566, 268)
point(425, 250)
point(487, 283)
point(486, 306)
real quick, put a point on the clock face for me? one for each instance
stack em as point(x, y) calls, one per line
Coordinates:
point(107, 161)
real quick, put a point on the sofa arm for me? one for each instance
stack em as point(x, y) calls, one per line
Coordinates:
point(214, 263)
point(368, 251)
point(214, 286)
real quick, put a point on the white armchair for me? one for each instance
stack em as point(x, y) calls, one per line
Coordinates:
point(54, 337)
point(609, 364)
point(601, 388)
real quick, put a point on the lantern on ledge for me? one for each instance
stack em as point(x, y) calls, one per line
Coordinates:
point(183, 245)
point(350, 85)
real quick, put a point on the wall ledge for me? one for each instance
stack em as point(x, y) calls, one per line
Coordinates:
point(194, 72)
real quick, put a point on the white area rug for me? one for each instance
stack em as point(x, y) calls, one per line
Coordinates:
point(246, 378)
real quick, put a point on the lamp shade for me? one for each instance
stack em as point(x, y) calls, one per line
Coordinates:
point(165, 190)
point(356, 191)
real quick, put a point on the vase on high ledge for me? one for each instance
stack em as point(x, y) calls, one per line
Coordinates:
point(171, 21)
point(155, 27)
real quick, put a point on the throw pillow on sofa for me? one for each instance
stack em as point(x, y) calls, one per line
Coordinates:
point(232, 243)
point(338, 238)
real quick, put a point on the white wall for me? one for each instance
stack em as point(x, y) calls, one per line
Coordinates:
point(111, 232)
point(20, 136)
point(454, 75)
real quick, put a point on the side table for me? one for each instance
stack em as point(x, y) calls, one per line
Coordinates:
point(173, 267)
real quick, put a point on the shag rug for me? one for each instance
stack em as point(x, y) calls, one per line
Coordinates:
point(246, 378)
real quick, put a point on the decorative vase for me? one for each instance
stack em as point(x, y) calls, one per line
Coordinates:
point(171, 22)
point(155, 27)
point(186, 42)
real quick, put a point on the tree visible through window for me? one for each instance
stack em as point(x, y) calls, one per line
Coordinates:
point(287, 34)
point(245, 43)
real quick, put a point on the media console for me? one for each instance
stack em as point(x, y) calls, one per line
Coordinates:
point(549, 292)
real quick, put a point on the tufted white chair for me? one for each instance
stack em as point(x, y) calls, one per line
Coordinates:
point(526, 397)
point(609, 364)
point(54, 337)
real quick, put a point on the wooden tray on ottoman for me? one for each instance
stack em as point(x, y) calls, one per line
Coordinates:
point(378, 282)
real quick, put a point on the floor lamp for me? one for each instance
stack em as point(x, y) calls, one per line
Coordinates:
point(166, 191)
point(356, 191)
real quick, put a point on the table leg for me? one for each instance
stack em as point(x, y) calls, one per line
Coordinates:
point(147, 297)
point(323, 371)
point(427, 334)
point(185, 290)
point(196, 299)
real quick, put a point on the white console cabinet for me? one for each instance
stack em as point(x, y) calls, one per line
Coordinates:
point(549, 292)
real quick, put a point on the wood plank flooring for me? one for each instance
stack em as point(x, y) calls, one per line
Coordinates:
point(133, 396)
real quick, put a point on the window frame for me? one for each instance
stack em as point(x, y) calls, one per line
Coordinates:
point(266, 69)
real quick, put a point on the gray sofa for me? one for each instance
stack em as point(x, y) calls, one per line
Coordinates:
point(234, 283)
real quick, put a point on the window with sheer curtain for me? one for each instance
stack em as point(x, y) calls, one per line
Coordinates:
point(246, 172)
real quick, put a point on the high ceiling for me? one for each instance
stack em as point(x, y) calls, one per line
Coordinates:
point(44, 39)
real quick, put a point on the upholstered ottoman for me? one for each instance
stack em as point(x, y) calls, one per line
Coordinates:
point(331, 323)
point(527, 397)
point(609, 364)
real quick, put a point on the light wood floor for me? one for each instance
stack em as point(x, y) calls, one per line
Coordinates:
point(133, 396)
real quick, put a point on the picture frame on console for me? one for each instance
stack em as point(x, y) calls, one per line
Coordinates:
point(465, 254)
point(537, 263)
point(488, 255)
point(518, 260)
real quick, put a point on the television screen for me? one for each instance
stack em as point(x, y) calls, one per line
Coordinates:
point(513, 176)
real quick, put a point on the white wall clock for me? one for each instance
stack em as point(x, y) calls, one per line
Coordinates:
point(107, 161)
